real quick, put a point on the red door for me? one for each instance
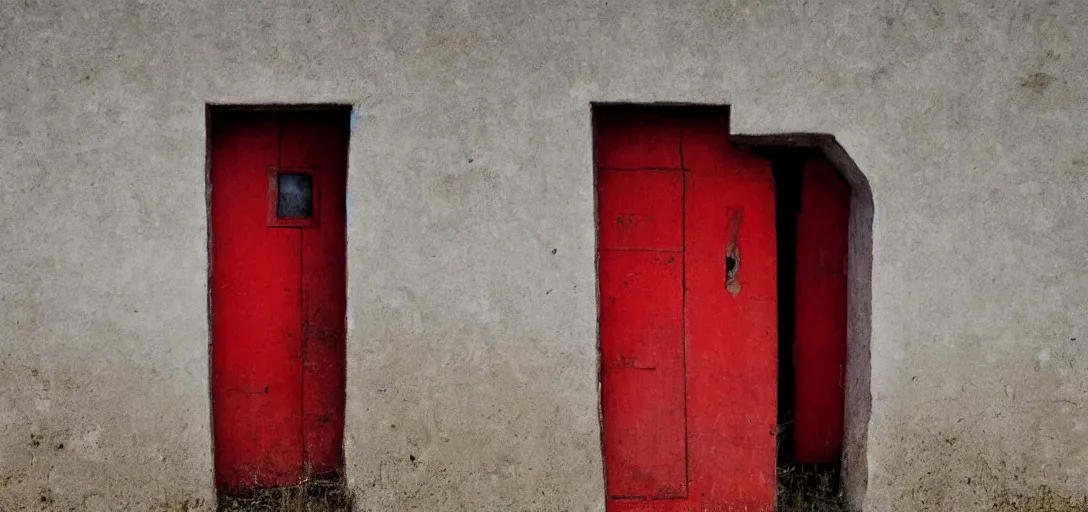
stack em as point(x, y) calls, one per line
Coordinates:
point(277, 292)
point(688, 313)
point(819, 350)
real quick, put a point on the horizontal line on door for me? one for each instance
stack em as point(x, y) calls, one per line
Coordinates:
point(647, 498)
point(640, 249)
point(657, 169)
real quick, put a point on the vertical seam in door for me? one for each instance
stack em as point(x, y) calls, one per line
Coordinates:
point(305, 322)
point(684, 307)
point(304, 473)
point(304, 327)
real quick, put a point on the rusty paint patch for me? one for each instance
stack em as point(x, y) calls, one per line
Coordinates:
point(732, 253)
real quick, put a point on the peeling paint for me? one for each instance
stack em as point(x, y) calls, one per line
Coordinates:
point(732, 253)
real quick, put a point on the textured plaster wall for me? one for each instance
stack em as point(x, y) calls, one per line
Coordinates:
point(472, 353)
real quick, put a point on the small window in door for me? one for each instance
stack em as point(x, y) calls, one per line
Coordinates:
point(292, 198)
point(295, 196)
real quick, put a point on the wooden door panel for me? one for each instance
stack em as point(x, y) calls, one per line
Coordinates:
point(269, 287)
point(256, 367)
point(732, 319)
point(642, 373)
point(713, 215)
point(637, 140)
point(641, 210)
point(820, 314)
point(316, 141)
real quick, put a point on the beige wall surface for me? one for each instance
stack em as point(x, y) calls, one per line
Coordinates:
point(472, 322)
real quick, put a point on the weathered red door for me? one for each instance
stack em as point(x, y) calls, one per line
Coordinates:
point(277, 292)
point(819, 350)
point(688, 313)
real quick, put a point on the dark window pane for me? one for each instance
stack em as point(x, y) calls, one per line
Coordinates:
point(296, 196)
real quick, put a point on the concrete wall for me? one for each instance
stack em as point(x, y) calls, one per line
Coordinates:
point(471, 264)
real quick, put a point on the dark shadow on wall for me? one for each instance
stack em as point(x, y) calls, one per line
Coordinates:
point(854, 473)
